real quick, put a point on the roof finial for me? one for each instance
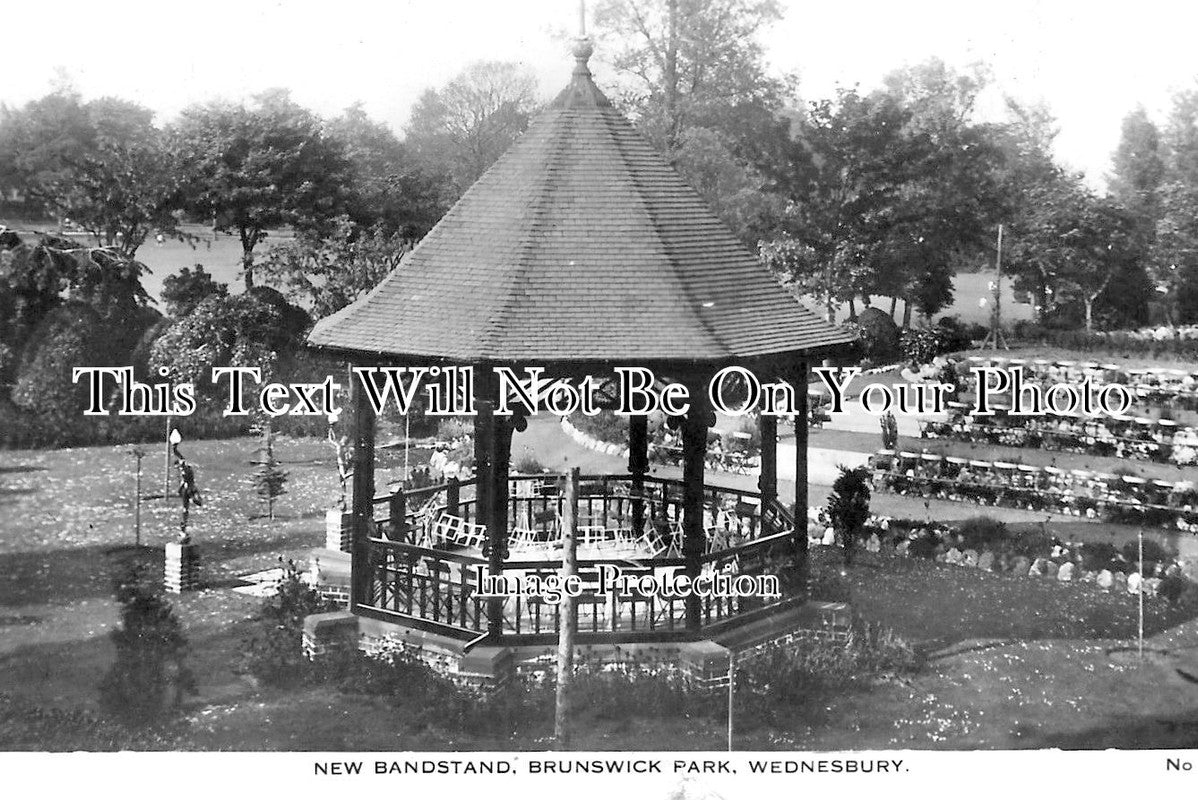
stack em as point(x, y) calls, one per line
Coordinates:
point(583, 48)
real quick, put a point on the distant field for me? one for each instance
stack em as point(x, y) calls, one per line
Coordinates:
point(968, 288)
point(220, 254)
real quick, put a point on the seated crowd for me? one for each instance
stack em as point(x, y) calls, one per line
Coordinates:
point(1116, 498)
point(1160, 440)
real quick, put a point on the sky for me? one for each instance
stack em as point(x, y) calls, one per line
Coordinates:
point(1090, 62)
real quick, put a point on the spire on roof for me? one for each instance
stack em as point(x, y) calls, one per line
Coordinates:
point(582, 91)
point(584, 48)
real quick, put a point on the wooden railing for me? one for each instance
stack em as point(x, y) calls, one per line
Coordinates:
point(440, 590)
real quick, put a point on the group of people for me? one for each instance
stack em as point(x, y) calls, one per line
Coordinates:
point(1153, 385)
point(1076, 492)
point(1160, 440)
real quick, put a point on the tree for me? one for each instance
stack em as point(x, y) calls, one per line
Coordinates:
point(390, 190)
point(1139, 168)
point(848, 165)
point(694, 80)
point(951, 199)
point(265, 165)
point(270, 479)
point(149, 677)
point(182, 292)
point(245, 330)
point(1069, 245)
point(848, 507)
point(1175, 252)
point(463, 127)
point(330, 273)
point(70, 335)
point(686, 59)
point(103, 164)
point(36, 278)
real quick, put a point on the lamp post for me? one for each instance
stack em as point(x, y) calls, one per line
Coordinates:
point(182, 561)
point(173, 440)
point(166, 464)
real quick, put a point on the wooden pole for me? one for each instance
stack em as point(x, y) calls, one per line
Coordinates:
point(800, 505)
point(569, 615)
point(638, 465)
point(166, 464)
point(995, 338)
point(731, 693)
point(694, 535)
point(137, 502)
point(1141, 592)
point(767, 481)
point(362, 504)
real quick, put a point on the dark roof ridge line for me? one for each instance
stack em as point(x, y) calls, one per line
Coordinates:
point(522, 264)
point(611, 121)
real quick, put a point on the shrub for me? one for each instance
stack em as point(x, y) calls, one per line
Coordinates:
point(960, 335)
point(848, 506)
point(1174, 587)
point(1097, 556)
point(775, 687)
point(981, 531)
point(1154, 552)
point(149, 678)
point(528, 464)
point(921, 345)
point(605, 426)
point(274, 654)
point(1031, 543)
point(879, 335)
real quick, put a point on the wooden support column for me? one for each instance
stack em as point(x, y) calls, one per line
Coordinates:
point(802, 422)
point(502, 461)
point(362, 506)
point(767, 481)
point(453, 495)
point(638, 466)
point(694, 537)
point(484, 471)
point(397, 508)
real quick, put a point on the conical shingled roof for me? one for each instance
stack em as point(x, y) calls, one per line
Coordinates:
point(581, 244)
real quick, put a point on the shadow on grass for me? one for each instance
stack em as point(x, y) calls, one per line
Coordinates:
point(21, 468)
point(69, 575)
point(1128, 733)
point(63, 576)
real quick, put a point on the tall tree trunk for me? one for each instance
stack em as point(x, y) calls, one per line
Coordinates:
point(247, 267)
point(671, 74)
point(248, 240)
point(852, 309)
point(906, 314)
point(1089, 314)
point(893, 307)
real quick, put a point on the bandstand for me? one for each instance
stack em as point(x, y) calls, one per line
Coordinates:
point(580, 250)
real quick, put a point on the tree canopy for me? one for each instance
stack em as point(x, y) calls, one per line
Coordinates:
point(262, 165)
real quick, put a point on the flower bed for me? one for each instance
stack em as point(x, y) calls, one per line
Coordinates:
point(987, 544)
point(1160, 440)
point(1095, 495)
point(1151, 385)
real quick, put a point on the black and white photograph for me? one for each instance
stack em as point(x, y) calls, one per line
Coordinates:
point(683, 398)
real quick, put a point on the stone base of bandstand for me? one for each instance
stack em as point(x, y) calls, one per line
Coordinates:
point(182, 570)
point(703, 663)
